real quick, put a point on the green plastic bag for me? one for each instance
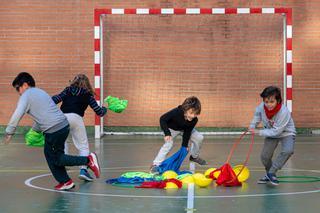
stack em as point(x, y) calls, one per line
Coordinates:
point(115, 104)
point(34, 138)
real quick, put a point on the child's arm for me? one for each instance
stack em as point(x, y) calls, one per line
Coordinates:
point(22, 108)
point(164, 119)
point(100, 111)
point(279, 125)
point(256, 119)
point(186, 136)
point(60, 97)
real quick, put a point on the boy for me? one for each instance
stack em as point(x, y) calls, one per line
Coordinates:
point(48, 119)
point(278, 127)
point(181, 120)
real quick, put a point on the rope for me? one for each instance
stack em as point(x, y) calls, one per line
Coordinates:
point(235, 146)
point(298, 179)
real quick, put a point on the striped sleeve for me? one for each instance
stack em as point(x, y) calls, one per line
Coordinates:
point(60, 97)
point(100, 111)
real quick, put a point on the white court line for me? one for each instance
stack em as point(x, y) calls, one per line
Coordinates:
point(190, 197)
point(28, 182)
point(190, 202)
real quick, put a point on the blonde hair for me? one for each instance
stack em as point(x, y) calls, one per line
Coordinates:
point(82, 81)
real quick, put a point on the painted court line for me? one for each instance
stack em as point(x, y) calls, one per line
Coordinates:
point(190, 197)
point(190, 203)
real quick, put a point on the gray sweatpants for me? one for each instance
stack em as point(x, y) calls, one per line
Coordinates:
point(79, 135)
point(270, 144)
point(196, 139)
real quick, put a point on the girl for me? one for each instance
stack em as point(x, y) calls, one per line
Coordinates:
point(278, 127)
point(75, 100)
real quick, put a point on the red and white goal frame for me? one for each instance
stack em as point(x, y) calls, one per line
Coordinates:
point(98, 42)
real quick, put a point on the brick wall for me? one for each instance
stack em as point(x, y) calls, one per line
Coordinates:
point(157, 61)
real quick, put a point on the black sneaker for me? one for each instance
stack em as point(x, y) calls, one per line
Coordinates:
point(263, 180)
point(273, 179)
point(154, 169)
point(198, 160)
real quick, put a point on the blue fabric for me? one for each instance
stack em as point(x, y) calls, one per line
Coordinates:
point(174, 162)
point(128, 180)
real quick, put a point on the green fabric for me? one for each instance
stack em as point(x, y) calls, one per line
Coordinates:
point(141, 175)
point(34, 138)
point(180, 177)
point(115, 104)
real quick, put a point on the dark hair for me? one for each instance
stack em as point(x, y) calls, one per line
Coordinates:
point(272, 91)
point(192, 103)
point(23, 77)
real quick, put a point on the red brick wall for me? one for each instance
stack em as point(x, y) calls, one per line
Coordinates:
point(157, 61)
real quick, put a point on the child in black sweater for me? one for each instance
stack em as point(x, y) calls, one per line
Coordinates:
point(181, 121)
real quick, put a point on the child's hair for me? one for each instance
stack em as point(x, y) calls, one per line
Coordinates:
point(23, 77)
point(192, 103)
point(272, 91)
point(82, 81)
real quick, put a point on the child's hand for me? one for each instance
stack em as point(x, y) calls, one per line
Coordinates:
point(168, 138)
point(255, 131)
point(7, 139)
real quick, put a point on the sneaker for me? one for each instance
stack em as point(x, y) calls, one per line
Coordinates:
point(273, 179)
point(65, 186)
point(94, 164)
point(198, 160)
point(84, 175)
point(263, 180)
point(154, 169)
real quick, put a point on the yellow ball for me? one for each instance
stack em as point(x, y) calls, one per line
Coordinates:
point(208, 171)
point(216, 174)
point(244, 175)
point(169, 174)
point(188, 179)
point(170, 185)
point(201, 180)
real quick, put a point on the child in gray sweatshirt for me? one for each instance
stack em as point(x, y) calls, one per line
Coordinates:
point(50, 120)
point(278, 126)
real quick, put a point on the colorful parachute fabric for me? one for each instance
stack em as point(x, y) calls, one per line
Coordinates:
point(115, 104)
point(133, 178)
point(142, 180)
point(160, 184)
point(34, 138)
point(174, 162)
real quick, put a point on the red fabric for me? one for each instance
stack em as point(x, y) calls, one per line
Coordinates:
point(152, 185)
point(175, 181)
point(271, 113)
point(227, 176)
point(159, 184)
point(211, 175)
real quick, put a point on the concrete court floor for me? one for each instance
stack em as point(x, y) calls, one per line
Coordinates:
point(119, 154)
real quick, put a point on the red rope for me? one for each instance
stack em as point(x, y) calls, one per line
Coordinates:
point(249, 152)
